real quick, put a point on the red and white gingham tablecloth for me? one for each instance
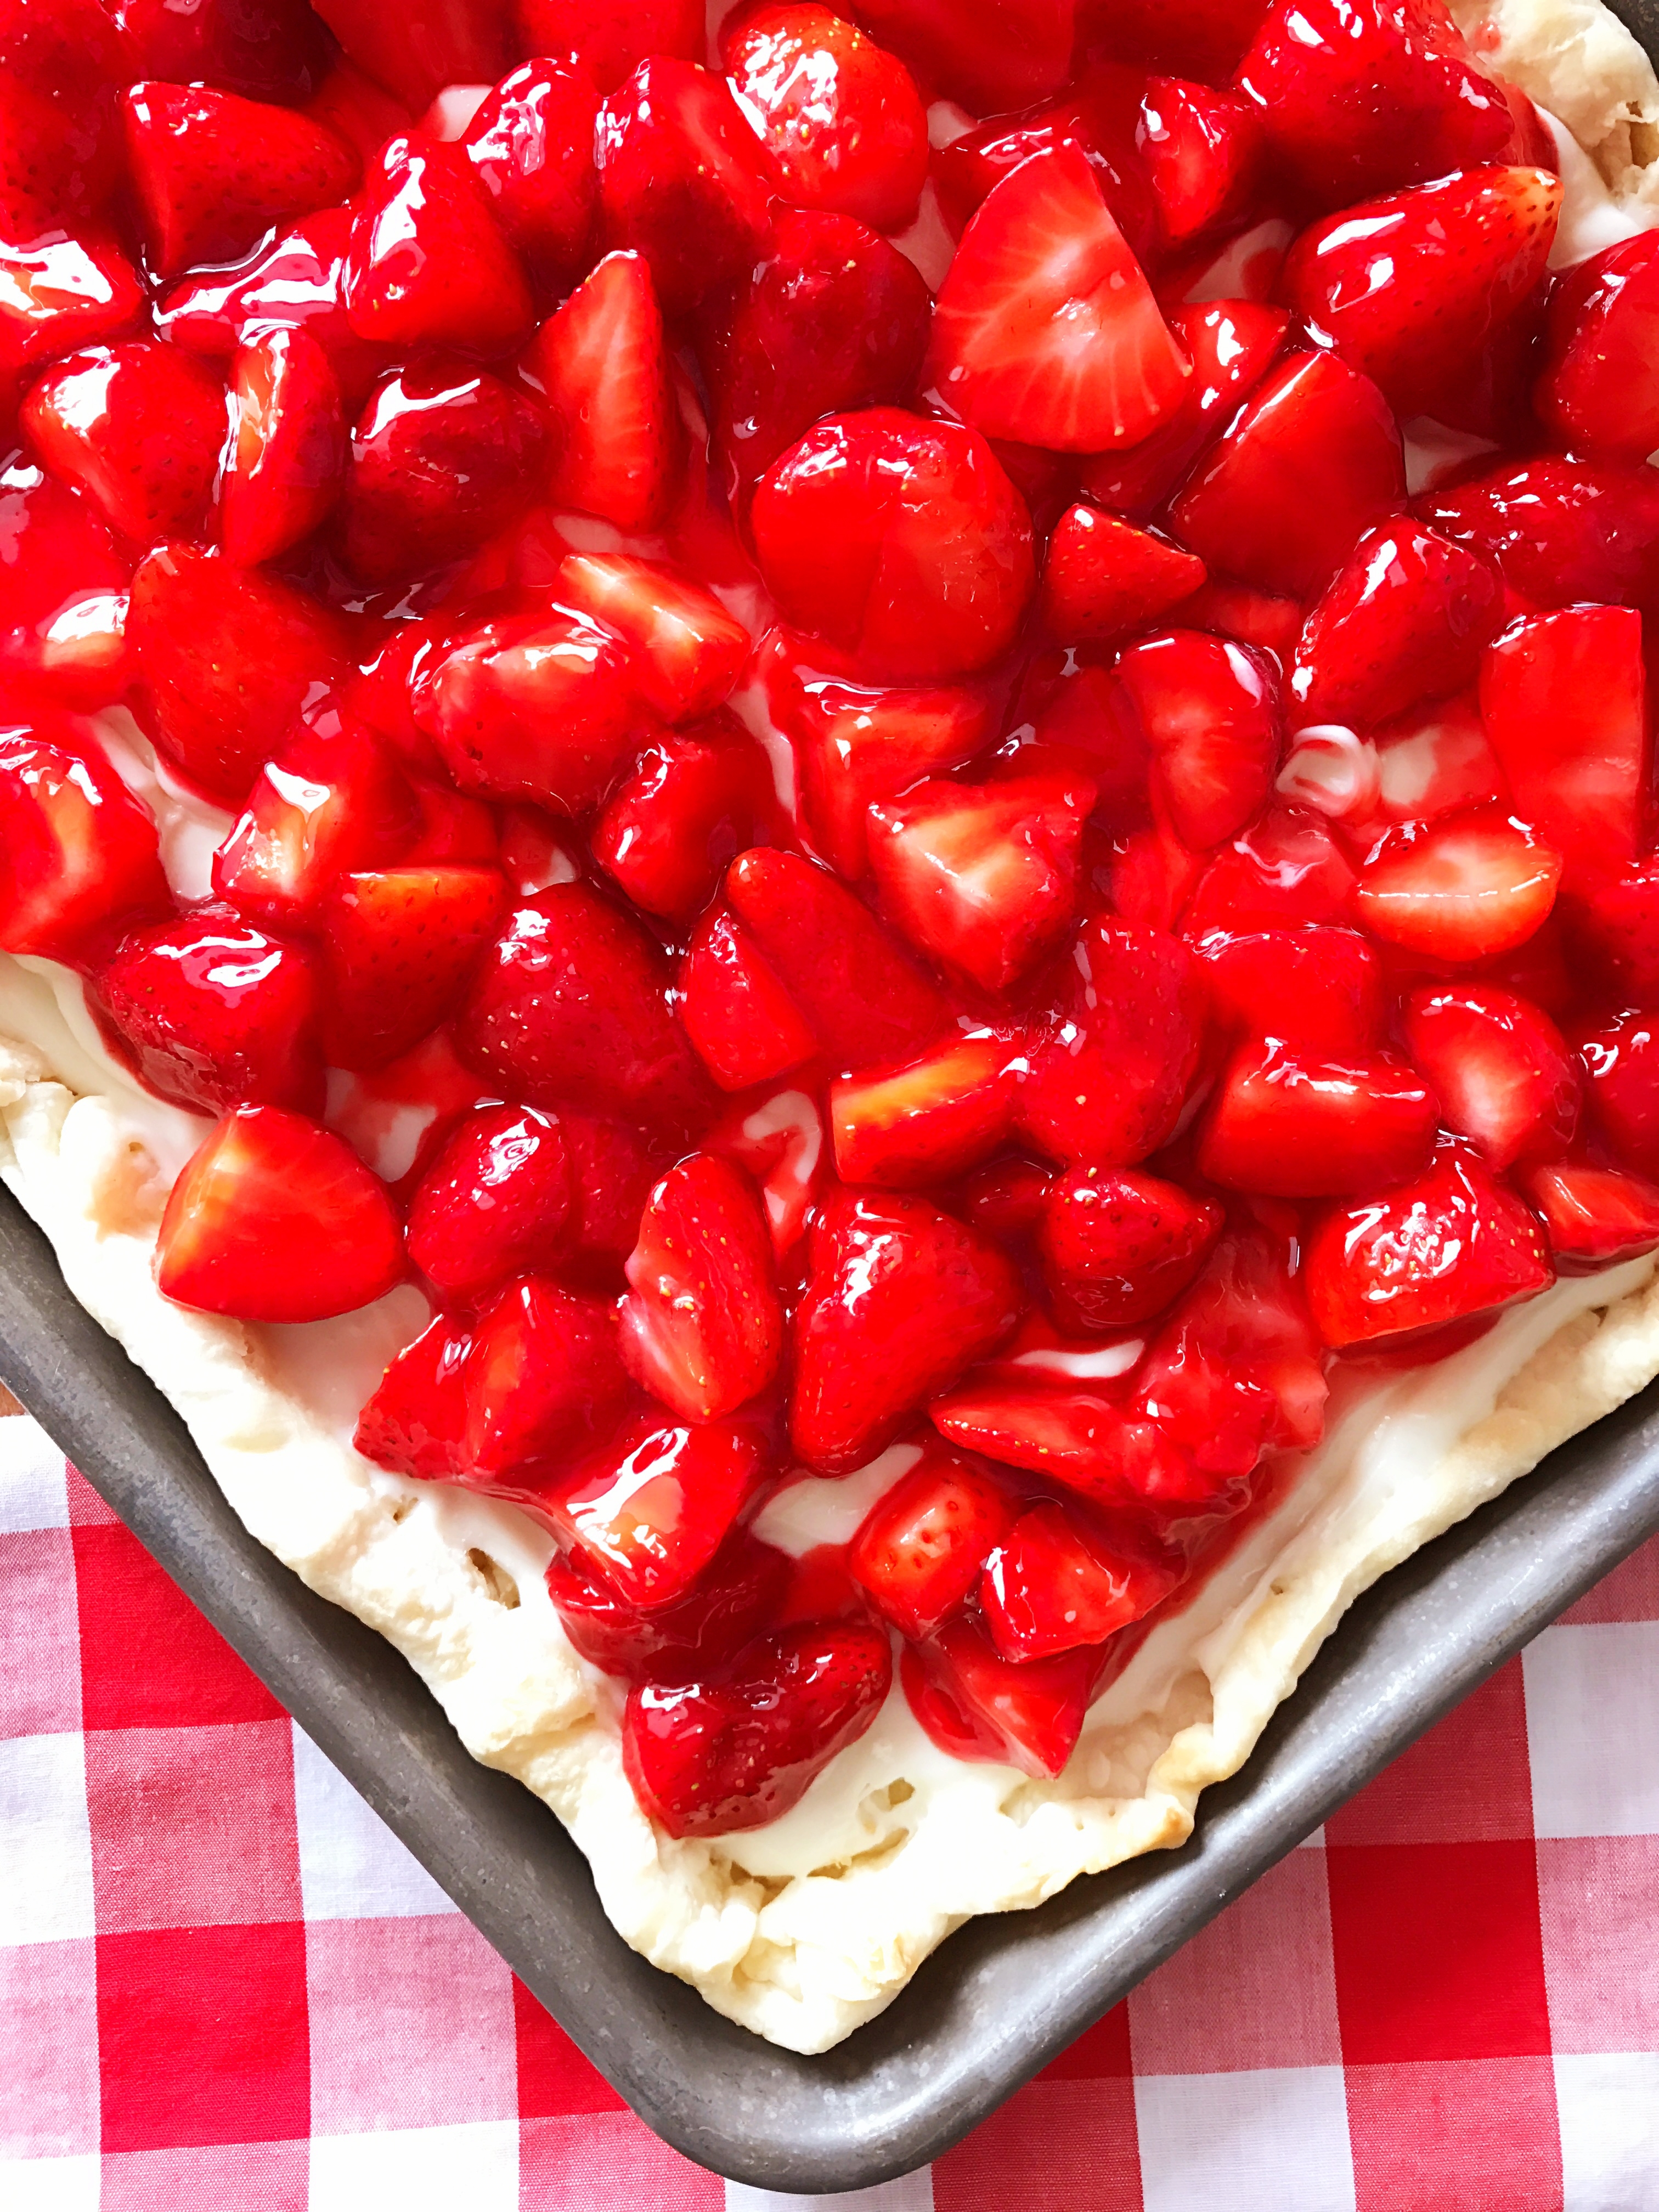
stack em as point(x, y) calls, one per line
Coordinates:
point(225, 1986)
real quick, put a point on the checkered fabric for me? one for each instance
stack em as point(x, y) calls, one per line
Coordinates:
point(225, 1985)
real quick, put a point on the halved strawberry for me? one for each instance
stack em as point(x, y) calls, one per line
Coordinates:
point(1307, 464)
point(712, 1758)
point(1287, 1127)
point(398, 944)
point(647, 1513)
point(1247, 1314)
point(1445, 1248)
point(283, 465)
point(603, 361)
point(1561, 531)
point(682, 178)
point(738, 1596)
point(531, 144)
point(138, 428)
point(688, 651)
point(1285, 869)
point(213, 1013)
point(1564, 700)
point(862, 1000)
point(919, 1551)
point(1318, 988)
point(925, 1122)
point(427, 45)
point(1212, 714)
point(57, 292)
point(428, 263)
point(1046, 329)
point(1119, 1246)
point(1053, 1584)
point(699, 796)
point(1466, 887)
point(1500, 1068)
point(1405, 619)
point(701, 1327)
point(607, 39)
point(745, 1026)
point(543, 1381)
point(240, 1235)
point(495, 1202)
point(1102, 576)
point(1597, 390)
point(332, 800)
point(982, 877)
point(415, 1422)
point(212, 172)
point(1620, 1060)
point(1076, 1435)
point(1593, 1217)
point(899, 1299)
point(77, 851)
point(225, 661)
point(976, 1705)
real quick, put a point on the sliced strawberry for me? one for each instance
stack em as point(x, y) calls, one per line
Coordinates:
point(682, 178)
point(1500, 1068)
point(572, 1004)
point(58, 292)
point(1109, 1067)
point(1285, 869)
point(739, 1594)
point(1620, 1060)
point(225, 661)
point(427, 45)
point(1465, 888)
point(713, 1759)
point(1045, 329)
point(138, 428)
point(1318, 988)
point(1002, 56)
point(925, 1122)
point(900, 540)
point(1102, 576)
point(1286, 1126)
point(1211, 715)
point(1435, 761)
point(428, 263)
point(1560, 531)
point(496, 1202)
point(919, 1551)
point(976, 1705)
point(1363, 96)
point(212, 172)
point(1076, 1436)
point(693, 800)
point(701, 1327)
point(399, 945)
point(1052, 1584)
point(1598, 391)
point(1118, 1246)
point(603, 361)
point(688, 651)
point(535, 705)
point(415, 1422)
point(332, 800)
point(833, 317)
point(745, 1026)
point(899, 1300)
point(1449, 1246)
point(63, 599)
point(442, 458)
point(842, 119)
point(607, 39)
point(862, 1000)
point(1563, 700)
point(1593, 1217)
point(532, 144)
point(983, 877)
point(1309, 462)
point(283, 466)
point(77, 851)
point(241, 1229)
point(1430, 292)
point(543, 1381)
point(213, 1014)
point(1247, 1314)
point(1404, 619)
point(647, 1515)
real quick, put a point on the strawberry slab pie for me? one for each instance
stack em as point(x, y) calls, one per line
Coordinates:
point(827, 865)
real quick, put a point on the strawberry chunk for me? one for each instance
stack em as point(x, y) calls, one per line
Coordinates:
point(701, 1328)
point(1449, 1246)
point(1613, 924)
point(682, 178)
point(77, 852)
point(688, 651)
point(283, 466)
point(428, 263)
point(497, 1201)
point(1500, 1068)
point(1309, 462)
point(212, 172)
point(1005, 55)
point(1289, 1128)
point(1204, 150)
point(899, 1299)
point(531, 144)
point(1560, 531)
point(138, 428)
point(1118, 1247)
point(607, 39)
point(295, 279)
point(1046, 329)
point(415, 1422)
point(603, 361)
point(56, 292)
point(1466, 888)
point(332, 800)
point(1318, 988)
point(1620, 1060)
point(62, 597)
point(740, 1592)
point(1102, 576)
point(745, 1026)
point(1110, 1066)
point(919, 1550)
point(1211, 713)
point(693, 800)
point(213, 1014)
point(267, 49)
point(1285, 869)
point(1052, 1584)
point(982, 877)
point(1405, 619)
point(239, 1235)
point(647, 1514)
point(543, 1380)
point(713, 1759)
point(612, 1167)
point(925, 1122)
point(976, 1705)
point(399, 945)
point(1598, 390)
point(1593, 1217)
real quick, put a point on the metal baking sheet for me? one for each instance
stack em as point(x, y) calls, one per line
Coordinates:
point(1005, 1993)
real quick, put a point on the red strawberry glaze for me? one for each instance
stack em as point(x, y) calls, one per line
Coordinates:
point(861, 848)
